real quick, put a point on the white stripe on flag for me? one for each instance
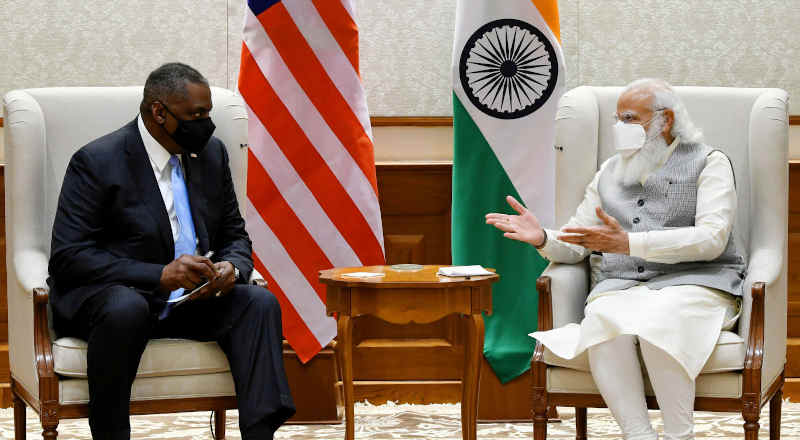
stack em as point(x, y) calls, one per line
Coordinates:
point(302, 201)
point(300, 293)
point(330, 55)
point(311, 122)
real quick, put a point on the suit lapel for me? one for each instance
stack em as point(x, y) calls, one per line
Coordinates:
point(145, 181)
point(197, 200)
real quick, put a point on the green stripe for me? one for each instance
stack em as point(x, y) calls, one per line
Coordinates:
point(480, 185)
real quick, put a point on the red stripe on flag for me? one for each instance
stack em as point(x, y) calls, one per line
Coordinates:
point(342, 27)
point(307, 162)
point(278, 215)
point(312, 77)
point(295, 330)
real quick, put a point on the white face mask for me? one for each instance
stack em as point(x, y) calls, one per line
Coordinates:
point(628, 138)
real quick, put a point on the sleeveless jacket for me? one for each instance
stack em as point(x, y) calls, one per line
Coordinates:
point(667, 200)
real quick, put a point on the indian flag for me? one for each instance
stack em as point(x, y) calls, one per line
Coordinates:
point(508, 75)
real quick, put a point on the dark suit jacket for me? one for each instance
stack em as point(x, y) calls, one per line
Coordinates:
point(111, 226)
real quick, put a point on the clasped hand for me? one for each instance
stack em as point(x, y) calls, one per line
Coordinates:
point(189, 271)
point(608, 237)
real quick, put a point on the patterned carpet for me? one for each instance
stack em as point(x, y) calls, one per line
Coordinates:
point(406, 422)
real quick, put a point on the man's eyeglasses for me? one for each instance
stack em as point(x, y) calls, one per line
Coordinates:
point(633, 118)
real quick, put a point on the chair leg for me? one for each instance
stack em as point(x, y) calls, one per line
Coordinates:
point(580, 423)
point(50, 432)
point(49, 419)
point(775, 415)
point(19, 418)
point(219, 424)
point(750, 414)
point(539, 424)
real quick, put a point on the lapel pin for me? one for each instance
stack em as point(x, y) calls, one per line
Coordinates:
point(193, 155)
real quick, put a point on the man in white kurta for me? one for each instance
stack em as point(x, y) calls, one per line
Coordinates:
point(657, 224)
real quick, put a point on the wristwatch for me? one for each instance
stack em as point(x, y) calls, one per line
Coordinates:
point(235, 278)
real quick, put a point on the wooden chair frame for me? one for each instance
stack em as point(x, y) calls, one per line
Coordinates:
point(749, 404)
point(50, 411)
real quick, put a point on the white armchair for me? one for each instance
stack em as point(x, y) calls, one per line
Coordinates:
point(44, 127)
point(746, 368)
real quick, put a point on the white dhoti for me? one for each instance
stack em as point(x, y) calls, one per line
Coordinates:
point(677, 328)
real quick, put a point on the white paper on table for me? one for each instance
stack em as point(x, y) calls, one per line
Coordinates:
point(463, 271)
point(363, 274)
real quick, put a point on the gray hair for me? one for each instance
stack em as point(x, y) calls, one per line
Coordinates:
point(169, 80)
point(664, 97)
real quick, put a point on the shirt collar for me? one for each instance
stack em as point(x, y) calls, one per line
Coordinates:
point(159, 156)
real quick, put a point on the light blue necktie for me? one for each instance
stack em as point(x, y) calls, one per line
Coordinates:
point(185, 244)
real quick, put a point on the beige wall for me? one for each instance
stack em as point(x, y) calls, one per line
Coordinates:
point(406, 45)
point(434, 144)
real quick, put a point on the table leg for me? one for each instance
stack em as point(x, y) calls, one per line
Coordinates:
point(345, 354)
point(472, 373)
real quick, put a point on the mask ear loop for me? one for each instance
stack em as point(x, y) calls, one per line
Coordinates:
point(168, 111)
point(646, 131)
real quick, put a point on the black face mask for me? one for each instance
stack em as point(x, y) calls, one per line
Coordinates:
point(192, 135)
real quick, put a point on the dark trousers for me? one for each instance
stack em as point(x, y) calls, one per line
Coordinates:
point(118, 322)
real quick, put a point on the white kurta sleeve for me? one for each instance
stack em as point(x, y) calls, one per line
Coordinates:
point(558, 251)
point(714, 218)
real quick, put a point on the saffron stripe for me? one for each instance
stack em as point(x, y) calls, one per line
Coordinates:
point(307, 162)
point(311, 76)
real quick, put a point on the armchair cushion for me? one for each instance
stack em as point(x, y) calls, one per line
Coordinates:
point(728, 355)
point(162, 357)
point(565, 380)
point(76, 391)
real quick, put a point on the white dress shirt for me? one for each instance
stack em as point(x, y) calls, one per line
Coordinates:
point(706, 240)
point(159, 160)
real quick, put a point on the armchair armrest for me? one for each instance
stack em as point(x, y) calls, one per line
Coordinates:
point(763, 320)
point(562, 292)
point(567, 290)
point(30, 269)
point(43, 352)
point(754, 357)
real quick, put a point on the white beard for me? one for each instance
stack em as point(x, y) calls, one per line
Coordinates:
point(631, 169)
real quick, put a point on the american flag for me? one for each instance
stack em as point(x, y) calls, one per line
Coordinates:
point(311, 186)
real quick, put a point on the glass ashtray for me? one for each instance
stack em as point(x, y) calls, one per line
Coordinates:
point(406, 267)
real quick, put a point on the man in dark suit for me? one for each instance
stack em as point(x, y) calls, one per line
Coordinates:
point(139, 208)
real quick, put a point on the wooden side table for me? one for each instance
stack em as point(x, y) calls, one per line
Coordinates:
point(402, 297)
